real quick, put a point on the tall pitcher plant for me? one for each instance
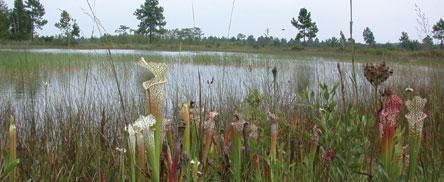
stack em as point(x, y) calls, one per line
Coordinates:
point(415, 118)
point(149, 128)
point(154, 88)
point(388, 133)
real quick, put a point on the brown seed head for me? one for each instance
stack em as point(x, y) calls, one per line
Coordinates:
point(377, 73)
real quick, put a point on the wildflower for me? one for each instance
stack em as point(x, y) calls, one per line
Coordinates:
point(142, 128)
point(195, 170)
point(145, 124)
point(408, 89)
point(416, 116)
point(121, 150)
point(141, 131)
point(131, 138)
point(195, 162)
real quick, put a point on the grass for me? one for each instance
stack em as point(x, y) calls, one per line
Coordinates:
point(316, 138)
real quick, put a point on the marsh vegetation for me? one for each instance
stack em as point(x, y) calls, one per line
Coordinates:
point(264, 109)
point(226, 116)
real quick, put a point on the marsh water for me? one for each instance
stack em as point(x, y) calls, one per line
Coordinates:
point(224, 79)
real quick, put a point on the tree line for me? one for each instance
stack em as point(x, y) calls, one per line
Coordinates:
point(22, 21)
point(153, 23)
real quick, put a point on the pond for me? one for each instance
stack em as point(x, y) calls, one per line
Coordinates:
point(87, 78)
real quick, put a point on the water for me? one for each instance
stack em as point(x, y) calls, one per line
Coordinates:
point(123, 52)
point(224, 83)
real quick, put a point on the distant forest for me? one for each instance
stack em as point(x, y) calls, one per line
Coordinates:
point(21, 22)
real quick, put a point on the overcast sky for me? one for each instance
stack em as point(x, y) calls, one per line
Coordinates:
point(386, 18)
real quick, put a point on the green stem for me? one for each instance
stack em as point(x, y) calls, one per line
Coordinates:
point(236, 158)
point(414, 147)
point(122, 166)
point(133, 165)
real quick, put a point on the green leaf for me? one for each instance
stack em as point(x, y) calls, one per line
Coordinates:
point(10, 166)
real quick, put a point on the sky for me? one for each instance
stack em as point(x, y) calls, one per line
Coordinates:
point(386, 18)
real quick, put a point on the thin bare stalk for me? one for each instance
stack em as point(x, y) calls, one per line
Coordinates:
point(341, 77)
point(116, 78)
point(354, 81)
point(231, 18)
point(200, 100)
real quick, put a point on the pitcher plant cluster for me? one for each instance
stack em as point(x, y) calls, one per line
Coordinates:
point(261, 143)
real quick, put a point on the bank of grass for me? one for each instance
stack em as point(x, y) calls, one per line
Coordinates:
point(363, 54)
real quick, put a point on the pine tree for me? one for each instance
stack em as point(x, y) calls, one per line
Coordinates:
point(75, 31)
point(65, 25)
point(4, 23)
point(151, 19)
point(405, 41)
point(122, 30)
point(20, 22)
point(307, 28)
point(427, 42)
point(369, 38)
point(36, 11)
point(438, 31)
